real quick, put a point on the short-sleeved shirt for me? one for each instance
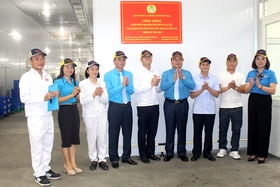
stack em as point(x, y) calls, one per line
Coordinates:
point(66, 88)
point(231, 98)
point(205, 103)
point(268, 76)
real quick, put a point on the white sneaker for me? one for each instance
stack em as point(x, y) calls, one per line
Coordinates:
point(235, 155)
point(222, 153)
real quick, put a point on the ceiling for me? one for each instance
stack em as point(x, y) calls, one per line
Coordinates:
point(73, 18)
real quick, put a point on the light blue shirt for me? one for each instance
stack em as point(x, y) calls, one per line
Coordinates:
point(205, 103)
point(268, 76)
point(167, 84)
point(114, 85)
point(66, 88)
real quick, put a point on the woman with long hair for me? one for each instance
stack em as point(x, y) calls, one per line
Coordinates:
point(68, 115)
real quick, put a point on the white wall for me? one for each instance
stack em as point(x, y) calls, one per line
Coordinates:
point(274, 147)
point(213, 28)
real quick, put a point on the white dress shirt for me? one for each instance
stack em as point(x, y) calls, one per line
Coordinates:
point(146, 94)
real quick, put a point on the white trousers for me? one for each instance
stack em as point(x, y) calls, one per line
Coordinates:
point(96, 128)
point(41, 136)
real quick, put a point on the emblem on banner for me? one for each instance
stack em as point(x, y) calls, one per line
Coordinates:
point(151, 9)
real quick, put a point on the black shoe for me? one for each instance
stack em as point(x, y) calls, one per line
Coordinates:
point(130, 161)
point(42, 181)
point(184, 158)
point(252, 158)
point(167, 158)
point(93, 165)
point(115, 164)
point(103, 165)
point(209, 157)
point(154, 157)
point(52, 175)
point(261, 161)
point(194, 158)
point(145, 160)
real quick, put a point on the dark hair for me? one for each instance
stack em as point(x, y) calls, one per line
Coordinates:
point(267, 65)
point(87, 75)
point(61, 74)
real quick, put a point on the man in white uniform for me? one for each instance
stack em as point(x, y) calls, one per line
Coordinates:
point(232, 84)
point(35, 95)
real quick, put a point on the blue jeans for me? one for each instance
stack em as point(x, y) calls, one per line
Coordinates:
point(235, 116)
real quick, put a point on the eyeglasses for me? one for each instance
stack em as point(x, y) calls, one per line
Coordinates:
point(147, 56)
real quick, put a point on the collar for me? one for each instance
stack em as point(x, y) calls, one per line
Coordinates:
point(117, 72)
point(65, 81)
point(145, 69)
point(227, 72)
point(34, 72)
point(201, 76)
point(264, 71)
point(87, 81)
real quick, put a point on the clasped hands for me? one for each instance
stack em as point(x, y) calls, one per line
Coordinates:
point(155, 80)
point(231, 85)
point(178, 73)
point(76, 91)
point(125, 81)
point(98, 91)
point(205, 86)
point(258, 84)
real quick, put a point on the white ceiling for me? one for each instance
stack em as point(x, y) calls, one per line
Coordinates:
point(74, 16)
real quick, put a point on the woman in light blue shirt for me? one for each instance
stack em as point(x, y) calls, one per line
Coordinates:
point(261, 84)
point(68, 115)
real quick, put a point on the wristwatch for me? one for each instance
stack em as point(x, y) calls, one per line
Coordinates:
point(236, 88)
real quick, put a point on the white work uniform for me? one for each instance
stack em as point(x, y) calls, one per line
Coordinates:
point(95, 118)
point(40, 123)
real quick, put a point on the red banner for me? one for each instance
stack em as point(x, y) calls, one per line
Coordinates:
point(151, 22)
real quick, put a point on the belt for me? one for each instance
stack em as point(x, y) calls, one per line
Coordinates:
point(67, 104)
point(176, 101)
point(120, 104)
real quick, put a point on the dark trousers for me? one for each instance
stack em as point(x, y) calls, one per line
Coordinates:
point(259, 124)
point(227, 115)
point(176, 116)
point(119, 116)
point(147, 129)
point(200, 120)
